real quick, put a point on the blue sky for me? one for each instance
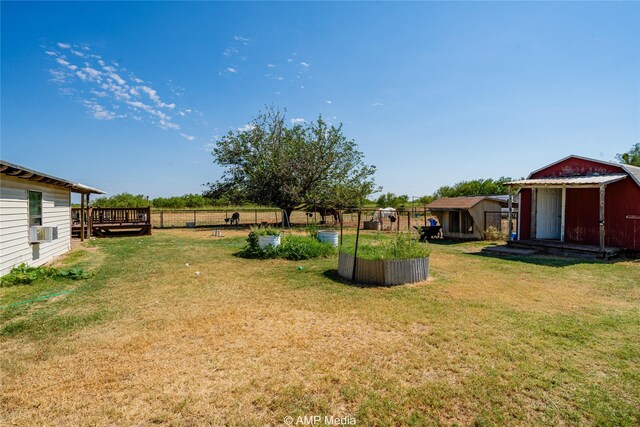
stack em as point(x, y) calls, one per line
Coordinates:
point(131, 96)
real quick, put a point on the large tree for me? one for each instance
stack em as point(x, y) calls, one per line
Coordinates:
point(292, 167)
point(632, 157)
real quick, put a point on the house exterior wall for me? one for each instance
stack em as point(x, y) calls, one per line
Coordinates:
point(582, 217)
point(14, 223)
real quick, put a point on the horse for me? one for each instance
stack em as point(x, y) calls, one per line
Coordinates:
point(235, 218)
point(324, 212)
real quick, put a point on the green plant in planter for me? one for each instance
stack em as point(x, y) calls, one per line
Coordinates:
point(312, 231)
point(401, 246)
point(292, 247)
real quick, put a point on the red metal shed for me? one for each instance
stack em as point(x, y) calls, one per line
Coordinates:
point(581, 201)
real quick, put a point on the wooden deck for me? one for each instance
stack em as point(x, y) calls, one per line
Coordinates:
point(111, 222)
point(557, 247)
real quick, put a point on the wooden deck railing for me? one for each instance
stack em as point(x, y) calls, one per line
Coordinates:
point(115, 215)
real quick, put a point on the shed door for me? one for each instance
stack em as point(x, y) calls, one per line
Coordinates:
point(548, 213)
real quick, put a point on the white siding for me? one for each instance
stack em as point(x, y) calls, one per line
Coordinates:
point(14, 218)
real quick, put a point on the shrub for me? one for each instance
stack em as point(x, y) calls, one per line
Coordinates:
point(297, 248)
point(493, 234)
point(24, 275)
point(293, 248)
point(312, 231)
point(401, 246)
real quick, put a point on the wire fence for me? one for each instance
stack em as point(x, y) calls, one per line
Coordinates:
point(392, 221)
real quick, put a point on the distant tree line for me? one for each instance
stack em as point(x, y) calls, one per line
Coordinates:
point(127, 200)
point(476, 187)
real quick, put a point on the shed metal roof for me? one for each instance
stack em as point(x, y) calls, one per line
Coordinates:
point(447, 203)
point(578, 181)
point(633, 171)
point(18, 171)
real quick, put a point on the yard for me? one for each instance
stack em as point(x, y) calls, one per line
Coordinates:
point(248, 342)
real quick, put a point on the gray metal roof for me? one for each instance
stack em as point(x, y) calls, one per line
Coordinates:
point(578, 181)
point(17, 171)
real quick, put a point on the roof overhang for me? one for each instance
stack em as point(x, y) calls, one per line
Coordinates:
point(584, 181)
point(21, 172)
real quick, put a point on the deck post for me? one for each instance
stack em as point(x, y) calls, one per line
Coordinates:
point(602, 194)
point(563, 213)
point(510, 207)
point(82, 217)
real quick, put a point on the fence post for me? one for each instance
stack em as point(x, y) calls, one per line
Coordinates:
point(194, 218)
point(256, 215)
point(425, 216)
point(162, 219)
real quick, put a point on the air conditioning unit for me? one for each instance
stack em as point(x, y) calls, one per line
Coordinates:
point(39, 234)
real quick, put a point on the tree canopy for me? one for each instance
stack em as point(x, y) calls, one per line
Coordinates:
point(631, 157)
point(476, 187)
point(292, 167)
point(122, 200)
point(392, 200)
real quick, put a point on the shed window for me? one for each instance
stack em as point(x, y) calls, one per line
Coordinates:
point(35, 208)
point(454, 222)
point(467, 223)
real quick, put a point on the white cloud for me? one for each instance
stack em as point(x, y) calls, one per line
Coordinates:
point(271, 65)
point(209, 147)
point(92, 73)
point(231, 70)
point(242, 40)
point(377, 104)
point(328, 101)
point(246, 128)
point(117, 78)
point(305, 64)
point(187, 137)
point(90, 79)
point(297, 120)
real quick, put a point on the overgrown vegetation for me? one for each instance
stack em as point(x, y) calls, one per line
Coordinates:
point(400, 246)
point(25, 275)
point(294, 248)
point(492, 234)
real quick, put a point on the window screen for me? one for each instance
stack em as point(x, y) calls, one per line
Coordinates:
point(35, 208)
point(454, 221)
point(467, 223)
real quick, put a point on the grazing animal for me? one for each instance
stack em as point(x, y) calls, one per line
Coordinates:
point(324, 212)
point(235, 218)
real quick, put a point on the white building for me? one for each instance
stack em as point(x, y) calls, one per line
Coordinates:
point(35, 216)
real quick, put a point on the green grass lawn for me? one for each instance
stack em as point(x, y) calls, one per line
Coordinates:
point(486, 341)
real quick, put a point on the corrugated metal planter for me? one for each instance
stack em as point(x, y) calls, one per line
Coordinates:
point(328, 236)
point(384, 272)
point(264, 241)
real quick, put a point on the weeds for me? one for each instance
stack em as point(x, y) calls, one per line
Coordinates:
point(25, 275)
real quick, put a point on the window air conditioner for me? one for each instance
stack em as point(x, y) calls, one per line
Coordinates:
point(38, 234)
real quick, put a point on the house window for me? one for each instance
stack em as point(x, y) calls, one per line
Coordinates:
point(35, 208)
point(467, 223)
point(454, 222)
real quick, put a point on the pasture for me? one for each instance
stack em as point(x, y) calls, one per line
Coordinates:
point(485, 341)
